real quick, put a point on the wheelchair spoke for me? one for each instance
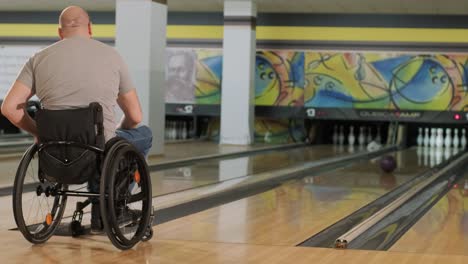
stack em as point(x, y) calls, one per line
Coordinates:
point(36, 214)
point(29, 212)
point(32, 174)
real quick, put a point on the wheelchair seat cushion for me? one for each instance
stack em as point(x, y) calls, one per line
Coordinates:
point(68, 163)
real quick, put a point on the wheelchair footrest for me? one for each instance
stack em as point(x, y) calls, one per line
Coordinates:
point(76, 228)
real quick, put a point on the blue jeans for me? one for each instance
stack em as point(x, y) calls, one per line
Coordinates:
point(141, 137)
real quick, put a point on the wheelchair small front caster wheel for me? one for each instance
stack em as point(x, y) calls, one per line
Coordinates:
point(76, 228)
point(148, 234)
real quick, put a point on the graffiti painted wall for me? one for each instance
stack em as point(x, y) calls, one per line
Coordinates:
point(386, 81)
point(363, 80)
point(209, 70)
point(279, 78)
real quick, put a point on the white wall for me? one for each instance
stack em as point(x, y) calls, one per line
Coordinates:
point(12, 59)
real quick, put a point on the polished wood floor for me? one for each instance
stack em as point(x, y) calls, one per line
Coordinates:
point(99, 250)
point(189, 149)
point(173, 151)
point(295, 211)
point(443, 229)
point(213, 171)
point(259, 229)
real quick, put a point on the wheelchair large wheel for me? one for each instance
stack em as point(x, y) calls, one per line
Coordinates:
point(126, 198)
point(37, 211)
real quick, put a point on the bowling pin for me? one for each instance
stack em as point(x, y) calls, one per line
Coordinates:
point(432, 139)
point(351, 148)
point(463, 139)
point(419, 151)
point(432, 157)
point(171, 131)
point(335, 135)
point(426, 137)
point(378, 137)
point(426, 156)
point(341, 136)
point(369, 135)
point(456, 140)
point(439, 141)
point(190, 132)
point(168, 127)
point(454, 151)
point(448, 138)
point(419, 139)
point(174, 130)
point(438, 155)
point(166, 130)
point(184, 130)
point(178, 134)
point(178, 130)
point(447, 153)
point(362, 137)
point(351, 138)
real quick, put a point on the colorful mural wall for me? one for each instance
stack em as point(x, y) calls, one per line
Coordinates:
point(279, 78)
point(209, 70)
point(386, 81)
point(363, 80)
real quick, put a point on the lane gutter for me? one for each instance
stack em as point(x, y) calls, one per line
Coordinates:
point(386, 226)
point(327, 237)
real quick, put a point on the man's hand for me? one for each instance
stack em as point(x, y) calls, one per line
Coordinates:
point(130, 105)
point(14, 107)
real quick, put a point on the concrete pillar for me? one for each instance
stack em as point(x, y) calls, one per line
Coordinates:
point(141, 40)
point(239, 47)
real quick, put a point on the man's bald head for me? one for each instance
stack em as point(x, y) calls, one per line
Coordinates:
point(74, 20)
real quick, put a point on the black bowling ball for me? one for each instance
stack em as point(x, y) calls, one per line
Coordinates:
point(388, 163)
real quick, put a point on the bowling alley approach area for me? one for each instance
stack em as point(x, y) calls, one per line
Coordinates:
point(270, 131)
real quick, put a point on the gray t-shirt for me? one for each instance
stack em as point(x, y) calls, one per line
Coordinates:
point(75, 72)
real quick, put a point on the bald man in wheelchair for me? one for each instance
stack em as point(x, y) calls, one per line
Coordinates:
point(72, 73)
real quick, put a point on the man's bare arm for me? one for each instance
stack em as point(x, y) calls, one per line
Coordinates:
point(130, 105)
point(14, 107)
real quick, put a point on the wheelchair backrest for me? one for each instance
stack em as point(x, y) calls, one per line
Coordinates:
point(64, 136)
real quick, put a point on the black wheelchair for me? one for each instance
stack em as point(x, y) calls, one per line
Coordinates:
point(72, 151)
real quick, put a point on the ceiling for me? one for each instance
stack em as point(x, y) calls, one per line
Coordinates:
point(432, 7)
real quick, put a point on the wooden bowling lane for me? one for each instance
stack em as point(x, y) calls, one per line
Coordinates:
point(10, 156)
point(443, 229)
point(98, 249)
point(218, 170)
point(187, 149)
point(208, 171)
point(202, 173)
point(293, 212)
